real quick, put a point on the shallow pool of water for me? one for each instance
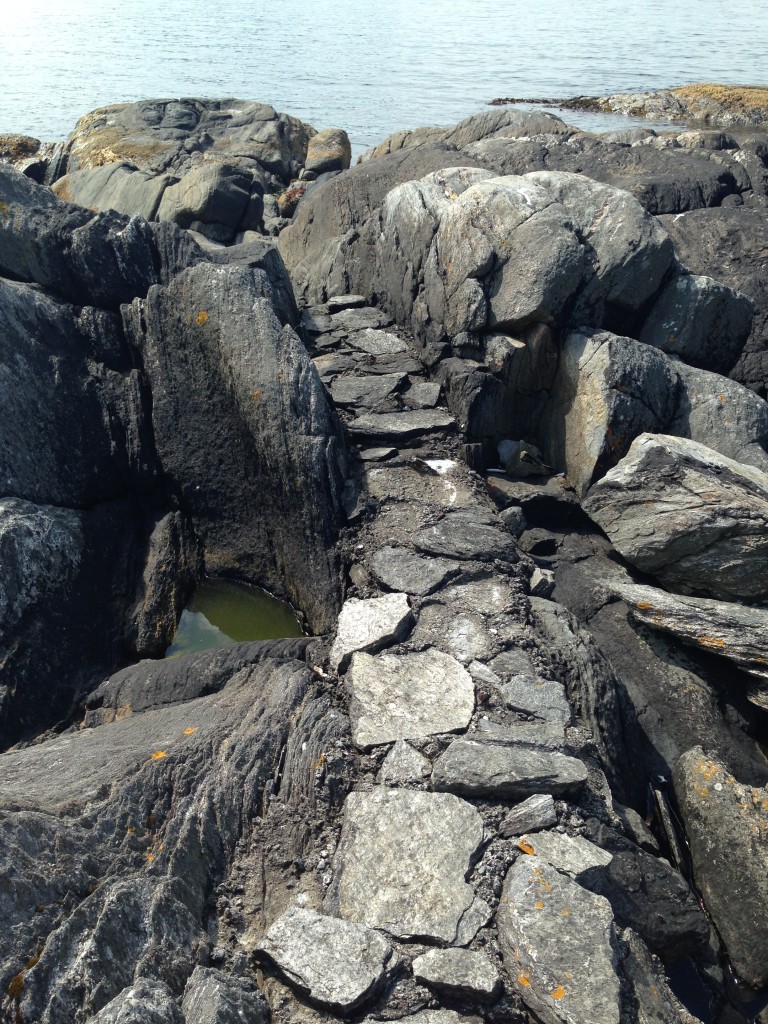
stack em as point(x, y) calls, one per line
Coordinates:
point(222, 613)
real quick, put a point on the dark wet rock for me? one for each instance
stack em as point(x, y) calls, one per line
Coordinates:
point(212, 997)
point(558, 942)
point(472, 767)
point(213, 450)
point(369, 626)
point(708, 530)
point(408, 696)
point(726, 823)
point(459, 973)
point(145, 1002)
point(335, 963)
point(728, 244)
point(456, 536)
point(401, 569)
point(532, 815)
point(402, 860)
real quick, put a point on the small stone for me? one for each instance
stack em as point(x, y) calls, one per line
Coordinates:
point(401, 569)
point(476, 917)
point(338, 302)
point(542, 582)
point(367, 318)
point(401, 426)
point(213, 997)
point(545, 699)
point(368, 625)
point(423, 395)
point(332, 962)
point(459, 973)
point(462, 634)
point(380, 455)
point(377, 343)
point(328, 150)
point(408, 696)
point(570, 854)
point(514, 520)
point(483, 675)
point(484, 768)
point(403, 765)
point(532, 815)
point(545, 735)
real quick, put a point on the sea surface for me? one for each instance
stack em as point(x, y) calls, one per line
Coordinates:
point(370, 68)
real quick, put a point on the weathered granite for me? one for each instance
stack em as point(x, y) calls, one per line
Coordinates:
point(369, 625)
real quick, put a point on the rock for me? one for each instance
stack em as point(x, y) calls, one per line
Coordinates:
point(401, 569)
point(329, 150)
point(558, 943)
point(212, 997)
point(212, 198)
point(542, 582)
point(380, 455)
point(705, 102)
point(726, 824)
point(367, 392)
point(532, 815)
point(402, 860)
point(334, 963)
point(462, 634)
point(710, 524)
point(407, 696)
point(336, 303)
point(144, 1002)
point(435, 1017)
point(369, 626)
point(700, 320)
point(115, 186)
point(483, 768)
point(514, 520)
point(569, 854)
point(544, 699)
point(456, 536)
point(401, 426)
point(403, 765)
point(459, 973)
point(422, 396)
point(377, 343)
point(655, 1001)
point(366, 321)
point(719, 627)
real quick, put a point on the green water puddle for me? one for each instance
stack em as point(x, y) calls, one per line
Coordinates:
point(222, 613)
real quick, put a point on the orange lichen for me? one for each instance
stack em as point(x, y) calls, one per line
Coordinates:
point(190, 731)
point(524, 980)
point(158, 755)
point(558, 993)
point(644, 606)
point(201, 318)
point(526, 847)
point(565, 912)
point(712, 642)
point(539, 904)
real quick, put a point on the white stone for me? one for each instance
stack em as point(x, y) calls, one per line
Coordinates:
point(368, 625)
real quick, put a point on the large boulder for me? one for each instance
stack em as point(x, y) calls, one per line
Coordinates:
point(694, 519)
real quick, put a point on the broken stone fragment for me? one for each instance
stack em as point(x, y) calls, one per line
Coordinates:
point(545, 699)
point(485, 768)
point(334, 963)
point(377, 343)
point(212, 997)
point(401, 569)
point(369, 625)
point(407, 696)
point(402, 861)
point(458, 972)
point(569, 854)
point(532, 815)
point(558, 943)
point(401, 426)
point(456, 536)
point(145, 1002)
point(403, 765)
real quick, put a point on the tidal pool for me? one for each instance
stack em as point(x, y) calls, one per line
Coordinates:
point(222, 613)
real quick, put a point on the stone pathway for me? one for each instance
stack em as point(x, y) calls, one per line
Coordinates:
point(454, 844)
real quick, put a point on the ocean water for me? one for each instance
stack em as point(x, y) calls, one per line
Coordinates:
point(368, 68)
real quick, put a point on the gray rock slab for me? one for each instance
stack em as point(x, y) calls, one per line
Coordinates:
point(365, 391)
point(569, 854)
point(369, 625)
point(336, 963)
point(401, 426)
point(532, 815)
point(404, 570)
point(336, 303)
point(709, 528)
point(557, 942)
point(365, 319)
point(727, 827)
point(402, 860)
point(485, 768)
point(545, 699)
point(489, 596)
point(403, 765)
point(145, 1002)
point(462, 634)
point(458, 537)
point(407, 696)
point(458, 972)
point(379, 455)
point(434, 1017)
point(212, 997)
point(377, 343)
point(546, 735)
point(422, 395)
point(512, 662)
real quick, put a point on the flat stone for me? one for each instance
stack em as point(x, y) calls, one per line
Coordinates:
point(423, 395)
point(407, 696)
point(365, 391)
point(316, 323)
point(433, 1017)
point(545, 699)
point(338, 302)
point(485, 768)
point(335, 963)
point(482, 674)
point(367, 318)
point(556, 940)
point(213, 997)
point(542, 582)
point(458, 972)
point(462, 634)
point(377, 343)
point(570, 854)
point(546, 735)
point(369, 625)
point(458, 537)
point(402, 860)
point(400, 362)
point(513, 662)
point(401, 425)
point(401, 569)
point(490, 596)
point(380, 455)
point(477, 917)
point(403, 765)
point(532, 815)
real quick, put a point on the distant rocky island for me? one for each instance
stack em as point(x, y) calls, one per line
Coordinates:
point(488, 408)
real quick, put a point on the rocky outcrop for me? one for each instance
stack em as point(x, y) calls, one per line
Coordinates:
point(711, 103)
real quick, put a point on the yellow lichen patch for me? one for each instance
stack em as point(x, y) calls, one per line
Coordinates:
point(150, 856)
point(643, 606)
point(712, 642)
point(558, 993)
point(565, 912)
point(524, 980)
point(735, 97)
point(158, 755)
point(539, 904)
point(201, 318)
point(256, 394)
point(190, 731)
point(526, 847)
point(707, 769)
point(130, 831)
